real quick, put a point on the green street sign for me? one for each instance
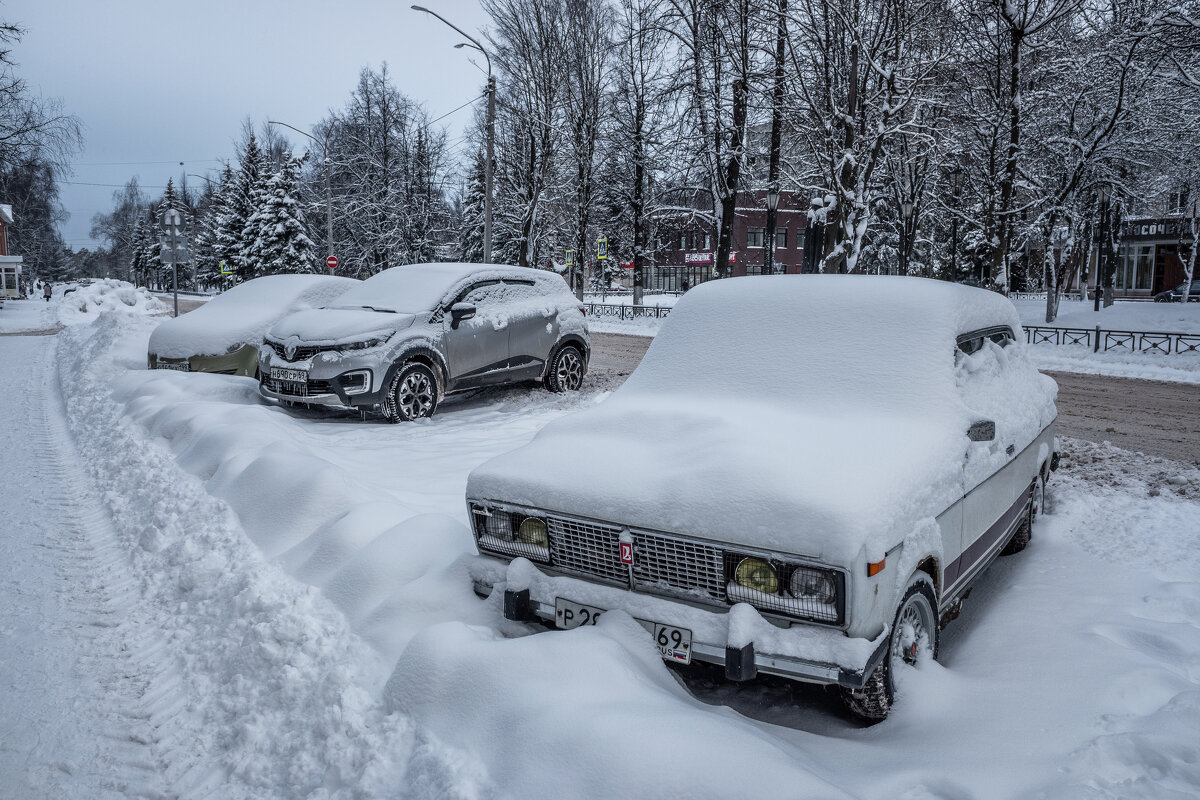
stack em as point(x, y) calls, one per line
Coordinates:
point(602, 249)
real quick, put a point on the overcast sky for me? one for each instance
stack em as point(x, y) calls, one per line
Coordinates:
point(169, 81)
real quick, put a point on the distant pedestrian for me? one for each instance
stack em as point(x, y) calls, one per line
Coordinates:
point(686, 284)
point(46, 291)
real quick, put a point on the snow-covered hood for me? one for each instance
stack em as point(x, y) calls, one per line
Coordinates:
point(823, 485)
point(206, 334)
point(333, 325)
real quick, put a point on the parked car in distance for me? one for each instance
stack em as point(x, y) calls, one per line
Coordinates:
point(408, 336)
point(1176, 295)
point(223, 335)
point(803, 477)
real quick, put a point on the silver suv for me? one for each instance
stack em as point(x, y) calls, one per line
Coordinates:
point(408, 336)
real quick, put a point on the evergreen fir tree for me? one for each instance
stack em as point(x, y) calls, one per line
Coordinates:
point(471, 242)
point(232, 241)
point(280, 243)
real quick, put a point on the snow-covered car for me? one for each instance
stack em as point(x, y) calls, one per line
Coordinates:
point(224, 334)
point(803, 477)
point(408, 336)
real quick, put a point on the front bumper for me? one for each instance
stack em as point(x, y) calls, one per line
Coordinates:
point(740, 639)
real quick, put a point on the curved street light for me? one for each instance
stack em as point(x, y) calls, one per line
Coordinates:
point(491, 128)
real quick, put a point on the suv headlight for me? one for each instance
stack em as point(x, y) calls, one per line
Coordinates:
point(366, 344)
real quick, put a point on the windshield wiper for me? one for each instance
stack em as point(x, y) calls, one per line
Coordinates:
point(380, 310)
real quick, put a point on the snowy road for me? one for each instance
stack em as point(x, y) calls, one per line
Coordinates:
point(76, 669)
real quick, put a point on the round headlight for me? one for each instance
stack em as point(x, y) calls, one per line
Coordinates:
point(756, 574)
point(533, 532)
point(812, 584)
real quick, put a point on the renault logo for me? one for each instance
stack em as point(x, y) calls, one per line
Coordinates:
point(289, 352)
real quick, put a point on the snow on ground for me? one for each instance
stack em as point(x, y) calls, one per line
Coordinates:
point(21, 316)
point(1122, 315)
point(306, 572)
point(85, 303)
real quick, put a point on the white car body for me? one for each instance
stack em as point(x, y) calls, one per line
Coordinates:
point(819, 423)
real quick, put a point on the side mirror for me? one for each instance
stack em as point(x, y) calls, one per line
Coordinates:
point(982, 431)
point(459, 312)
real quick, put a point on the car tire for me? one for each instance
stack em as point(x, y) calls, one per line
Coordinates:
point(566, 370)
point(412, 395)
point(1025, 531)
point(914, 631)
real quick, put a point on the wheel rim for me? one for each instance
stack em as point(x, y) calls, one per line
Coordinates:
point(415, 395)
point(913, 639)
point(570, 370)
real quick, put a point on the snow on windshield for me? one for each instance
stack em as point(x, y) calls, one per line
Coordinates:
point(409, 289)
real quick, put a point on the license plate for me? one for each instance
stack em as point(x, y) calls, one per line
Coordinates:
point(674, 644)
point(292, 375)
point(181, 366)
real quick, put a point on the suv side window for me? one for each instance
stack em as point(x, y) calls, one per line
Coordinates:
point(482, 294)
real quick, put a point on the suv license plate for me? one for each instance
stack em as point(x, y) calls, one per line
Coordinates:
point(291, 375)
point(181, 366)
point(674, 644)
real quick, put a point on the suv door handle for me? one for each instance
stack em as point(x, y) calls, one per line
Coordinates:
point(1008, 451)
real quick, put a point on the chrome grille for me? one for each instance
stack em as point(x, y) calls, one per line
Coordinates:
point(301, 354)
point(587, 548)
point(662, 563)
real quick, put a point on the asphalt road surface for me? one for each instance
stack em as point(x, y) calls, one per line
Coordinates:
point(1153, 417)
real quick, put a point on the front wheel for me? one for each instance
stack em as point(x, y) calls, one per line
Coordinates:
point(413, 394)
point(913, 639)
point(566, 370)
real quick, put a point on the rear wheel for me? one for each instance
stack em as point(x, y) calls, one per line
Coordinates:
point(566, 370)
point(913, 639)
point(413, 394)
point(1025, 531)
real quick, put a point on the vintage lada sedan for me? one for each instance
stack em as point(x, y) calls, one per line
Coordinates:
point(803, 477)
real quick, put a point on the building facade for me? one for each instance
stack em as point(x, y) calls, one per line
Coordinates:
point(10, 266)
point(688, 245)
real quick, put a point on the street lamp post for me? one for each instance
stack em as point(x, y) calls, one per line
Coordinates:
point(328, 186)
point(769, 250)
point(491, 129)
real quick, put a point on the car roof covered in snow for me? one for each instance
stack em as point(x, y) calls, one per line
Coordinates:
point(415, 288)
point(242, 314)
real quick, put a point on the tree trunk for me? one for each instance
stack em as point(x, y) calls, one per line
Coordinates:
point(732, 174)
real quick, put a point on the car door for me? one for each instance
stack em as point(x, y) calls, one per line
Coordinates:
point(477, 348)
point(532, 327)
point(989, 479)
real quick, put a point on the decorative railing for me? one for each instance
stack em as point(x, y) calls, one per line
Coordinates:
point(626, 312)
point(1041, 296)
point(1165, 342)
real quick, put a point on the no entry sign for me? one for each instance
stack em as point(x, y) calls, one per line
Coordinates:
point(331, 262)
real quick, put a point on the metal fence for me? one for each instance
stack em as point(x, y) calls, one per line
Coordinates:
point(1041, 296)
point(1098, 339)
point(626, 312)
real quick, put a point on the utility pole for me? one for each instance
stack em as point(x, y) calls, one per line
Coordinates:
point(491, 127)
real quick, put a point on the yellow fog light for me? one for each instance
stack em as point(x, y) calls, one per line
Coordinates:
point(533, 532)
point(756, 574)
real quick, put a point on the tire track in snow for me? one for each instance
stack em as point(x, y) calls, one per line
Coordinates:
point(118, 668)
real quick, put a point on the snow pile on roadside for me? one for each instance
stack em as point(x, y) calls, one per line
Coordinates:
point(1175, 368)
point(1123, 315)
point(85, 303)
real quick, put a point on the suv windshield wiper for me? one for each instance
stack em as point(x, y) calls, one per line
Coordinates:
point(381, 310)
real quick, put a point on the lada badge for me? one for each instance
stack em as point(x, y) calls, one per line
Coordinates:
point(626, 546)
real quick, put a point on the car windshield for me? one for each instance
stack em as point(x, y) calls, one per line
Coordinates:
point(405, 290)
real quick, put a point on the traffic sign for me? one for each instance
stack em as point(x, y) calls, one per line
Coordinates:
point(331, 262)
point(602, 248)
point(226, 269)
point(570, 258)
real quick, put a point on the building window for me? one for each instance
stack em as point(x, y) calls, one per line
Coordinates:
point(1137, 268)
point(708, 241)
point(1177, 204)
point(780, 238)
point(683, 241)
point(754, 237)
